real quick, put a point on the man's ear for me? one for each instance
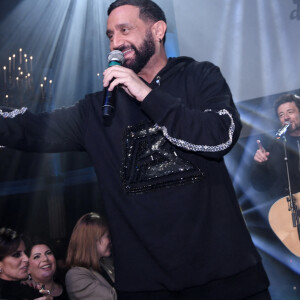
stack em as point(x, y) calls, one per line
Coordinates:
point(159, 29)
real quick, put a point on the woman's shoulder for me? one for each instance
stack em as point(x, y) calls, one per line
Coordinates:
point(83, 283)
point(77, 271)
point(81, 273)
point(14, 289)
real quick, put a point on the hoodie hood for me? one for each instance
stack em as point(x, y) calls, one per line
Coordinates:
point(174, 65)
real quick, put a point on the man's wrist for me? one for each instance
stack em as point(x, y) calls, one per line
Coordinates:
point(144, 94)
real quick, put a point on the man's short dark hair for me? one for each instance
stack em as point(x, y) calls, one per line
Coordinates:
point(149, 11)
point(287, 98)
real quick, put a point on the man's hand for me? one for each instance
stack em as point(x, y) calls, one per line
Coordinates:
point(128, 80)
point(261, 154)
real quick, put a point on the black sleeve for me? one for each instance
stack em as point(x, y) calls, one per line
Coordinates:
point(206, 121)
point(57, 131)
point(261, 176)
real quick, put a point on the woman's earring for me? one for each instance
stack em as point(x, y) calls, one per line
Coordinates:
point(29, 277)
point(159, 40)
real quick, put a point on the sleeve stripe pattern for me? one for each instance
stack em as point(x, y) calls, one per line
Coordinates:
point(13, 114)
point(201, 148)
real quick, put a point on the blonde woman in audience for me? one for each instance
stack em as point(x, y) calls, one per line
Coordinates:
point(89, 243)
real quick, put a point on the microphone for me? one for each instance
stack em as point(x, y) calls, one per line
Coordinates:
point(282, 130)
point(115, 57)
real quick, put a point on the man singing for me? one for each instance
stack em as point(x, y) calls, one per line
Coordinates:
point(176, 227)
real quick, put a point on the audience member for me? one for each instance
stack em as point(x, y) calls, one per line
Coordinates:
point(14, 265)
point(89, 243)
point(42, 268)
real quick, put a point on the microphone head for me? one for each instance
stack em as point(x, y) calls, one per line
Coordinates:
point(116, 56)
point(283, 129)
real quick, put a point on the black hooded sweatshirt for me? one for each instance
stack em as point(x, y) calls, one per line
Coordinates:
point(173, 215)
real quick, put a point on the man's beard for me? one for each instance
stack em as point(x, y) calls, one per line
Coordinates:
point(142, 55)
point(294, 127)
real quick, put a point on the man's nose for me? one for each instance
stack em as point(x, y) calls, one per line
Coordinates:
point(116, 42)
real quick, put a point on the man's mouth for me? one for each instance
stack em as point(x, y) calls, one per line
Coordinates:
point(127, 51)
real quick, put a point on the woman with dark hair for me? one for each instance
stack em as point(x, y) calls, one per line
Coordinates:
point(14, 265)
point(89, 242)
point(42, 268)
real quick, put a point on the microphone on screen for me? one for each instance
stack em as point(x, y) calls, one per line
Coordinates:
point(115, 57)
point(282, 130)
